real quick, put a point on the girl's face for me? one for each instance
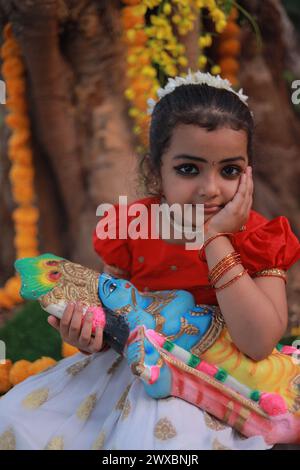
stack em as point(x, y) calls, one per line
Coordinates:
point(193, 169)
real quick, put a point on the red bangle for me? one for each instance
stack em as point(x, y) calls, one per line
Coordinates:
point(201, 252)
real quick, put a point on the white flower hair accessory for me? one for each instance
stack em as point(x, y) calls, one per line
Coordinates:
point(197, 78)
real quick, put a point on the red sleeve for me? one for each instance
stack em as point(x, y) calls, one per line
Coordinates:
point(271, 245)
point(113, 250)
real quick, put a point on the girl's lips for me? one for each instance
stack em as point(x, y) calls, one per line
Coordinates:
point(211, 210)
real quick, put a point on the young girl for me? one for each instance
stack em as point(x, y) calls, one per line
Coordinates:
point(200, 153)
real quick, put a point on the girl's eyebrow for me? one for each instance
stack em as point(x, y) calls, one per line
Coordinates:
point(200, 159)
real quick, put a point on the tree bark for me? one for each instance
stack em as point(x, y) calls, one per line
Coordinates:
point(80, 130)
point(277, 143)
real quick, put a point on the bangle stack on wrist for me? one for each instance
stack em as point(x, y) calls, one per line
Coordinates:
point(223, 266)
point(210, 239)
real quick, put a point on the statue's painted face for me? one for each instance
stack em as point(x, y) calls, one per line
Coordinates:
point(115, 292)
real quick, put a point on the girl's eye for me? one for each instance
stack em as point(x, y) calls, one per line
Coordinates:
point(187, 169)
point(232, 171)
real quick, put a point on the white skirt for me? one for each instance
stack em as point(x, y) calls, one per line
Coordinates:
point(94, 402)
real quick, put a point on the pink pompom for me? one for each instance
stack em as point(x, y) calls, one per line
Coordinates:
point(289, 350)
point(98, 317)
point(208, 369)
point(273, 404)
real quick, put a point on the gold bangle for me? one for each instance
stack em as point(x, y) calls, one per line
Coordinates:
point(234, 256)
point(231, 281)
point(270, 272)
point(229, 257)
point(218, 276)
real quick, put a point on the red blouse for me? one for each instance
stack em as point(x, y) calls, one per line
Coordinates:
point(155, 264)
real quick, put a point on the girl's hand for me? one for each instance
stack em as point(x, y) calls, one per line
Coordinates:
point(236, 212)
point(116, 272)
point(76, 332)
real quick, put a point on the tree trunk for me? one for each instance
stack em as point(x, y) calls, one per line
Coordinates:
point(84, 150)
point(276, 162)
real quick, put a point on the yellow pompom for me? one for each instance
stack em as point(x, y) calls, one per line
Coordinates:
point(68, 350)
point(19, 371)
point(41, 364)
point(5, 384)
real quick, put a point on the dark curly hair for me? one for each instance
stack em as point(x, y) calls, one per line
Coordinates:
point(201, 105)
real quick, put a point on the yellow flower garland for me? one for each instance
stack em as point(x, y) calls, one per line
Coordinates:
point(26, 216)
point(157, 44)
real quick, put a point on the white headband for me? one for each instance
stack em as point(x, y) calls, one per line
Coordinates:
point(197, 78)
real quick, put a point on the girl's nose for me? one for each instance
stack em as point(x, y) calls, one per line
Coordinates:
point(208, 187)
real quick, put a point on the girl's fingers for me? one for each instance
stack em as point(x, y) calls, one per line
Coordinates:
point(245, 185)
point(66, 319)
point(54, 322)
point(75, 325)
point(86, 331)
point(98, 339)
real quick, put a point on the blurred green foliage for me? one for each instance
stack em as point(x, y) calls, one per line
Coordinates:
point(29, 336)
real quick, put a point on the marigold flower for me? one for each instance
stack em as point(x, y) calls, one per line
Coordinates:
point(232, 30)
point(19, 371)
point(12, 288)
point(41, 364)
point(229, 65)
point(25, 215)
point(5, 384)
point(230, 47)
point(68, 350)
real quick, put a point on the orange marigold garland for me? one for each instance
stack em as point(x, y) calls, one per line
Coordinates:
point(229, 49)
point(26, 215)
point(153, 49)
point(12, 374)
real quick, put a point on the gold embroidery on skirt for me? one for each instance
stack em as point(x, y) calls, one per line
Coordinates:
point(36, 399)
point(126, 409)
point(164, 429)
point(115, 365)
point(74, 369)
point(121, 402)
point(213, 423)
point(8, 440)
point(86, 407)
point(99, 442)
point(217, 445)
point(56, 443)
